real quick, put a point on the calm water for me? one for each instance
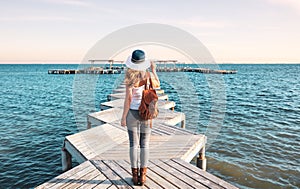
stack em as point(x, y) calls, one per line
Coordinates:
point(256, 147)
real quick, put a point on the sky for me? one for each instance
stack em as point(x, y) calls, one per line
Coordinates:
point(234, 31)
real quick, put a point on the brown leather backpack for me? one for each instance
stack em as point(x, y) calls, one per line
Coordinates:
point(148, 109)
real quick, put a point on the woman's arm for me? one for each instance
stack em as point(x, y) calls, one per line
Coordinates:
point(156, 82)
point(127, 101)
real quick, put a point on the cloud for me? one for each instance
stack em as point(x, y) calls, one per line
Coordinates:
point(295, 4)
point(35, 18)
point(202, 24)
point(70, 2)
point(193, 22)
point(82, 4)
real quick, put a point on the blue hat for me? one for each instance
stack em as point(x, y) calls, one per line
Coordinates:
point(137, 61)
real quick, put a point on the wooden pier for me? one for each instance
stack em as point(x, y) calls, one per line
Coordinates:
point(103, 153)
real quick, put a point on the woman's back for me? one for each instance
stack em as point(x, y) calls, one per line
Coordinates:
point(136, 98)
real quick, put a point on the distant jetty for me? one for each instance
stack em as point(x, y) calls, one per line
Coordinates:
point(92, 70)
point(162, 67)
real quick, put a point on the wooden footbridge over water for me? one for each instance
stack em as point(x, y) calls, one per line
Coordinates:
point(102, 152)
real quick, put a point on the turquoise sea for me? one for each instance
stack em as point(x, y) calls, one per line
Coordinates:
point(257, 145)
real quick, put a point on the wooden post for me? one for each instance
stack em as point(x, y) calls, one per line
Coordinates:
point(89, 124)
point(66, 159)
point(183, 121)
point(201, 160)
point(183, 124)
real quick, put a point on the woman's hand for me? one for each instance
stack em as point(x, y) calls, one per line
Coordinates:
point(123, 122)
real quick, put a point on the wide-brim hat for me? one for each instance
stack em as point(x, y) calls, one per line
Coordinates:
point(137, 61)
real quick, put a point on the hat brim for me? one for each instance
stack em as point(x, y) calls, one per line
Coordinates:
point(141, 66)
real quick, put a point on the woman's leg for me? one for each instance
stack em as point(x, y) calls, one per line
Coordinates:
point(145, 133)
point(132, 128)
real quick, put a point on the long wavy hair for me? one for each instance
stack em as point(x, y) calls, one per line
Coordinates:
point(133, 76)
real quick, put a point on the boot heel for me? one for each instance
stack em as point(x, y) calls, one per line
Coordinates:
point(135, 172)
point(143, 172)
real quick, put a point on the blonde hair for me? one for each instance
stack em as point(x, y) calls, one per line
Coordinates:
point(133, 76)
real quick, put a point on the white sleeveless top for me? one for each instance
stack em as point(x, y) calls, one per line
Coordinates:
point(136, 98)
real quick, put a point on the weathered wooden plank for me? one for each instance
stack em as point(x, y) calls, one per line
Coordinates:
point(84, 180)
point(159, 180)
point(106, 116)
point(71, 176)
point(126, 166)
point(159, 131)
point(170, 118)
point(112, 187)
point(92, 142)
point(104, 185)
point(122, 173)
point(177, 175)
point(123, 90)
point(111, 115)
point(159, 128)
point(173, 118)
point(119, 103)
point(100, 141)
point(65, 175)
point(155, 132)
point(113, 177)
point(173, 129)
point(204, 174)
point(99, 179)
point(163, 104)
point(105, 128)
point(171, 146)
point(95, 144)
point(75, 178)
point(122, 96)
point(191, 175)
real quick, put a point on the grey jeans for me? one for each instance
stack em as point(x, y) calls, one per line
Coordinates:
point(139, 132)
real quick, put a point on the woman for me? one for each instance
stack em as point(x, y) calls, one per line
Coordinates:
point(138, 130)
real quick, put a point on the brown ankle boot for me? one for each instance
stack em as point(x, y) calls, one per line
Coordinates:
point(143, 175)
point(135, 176)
